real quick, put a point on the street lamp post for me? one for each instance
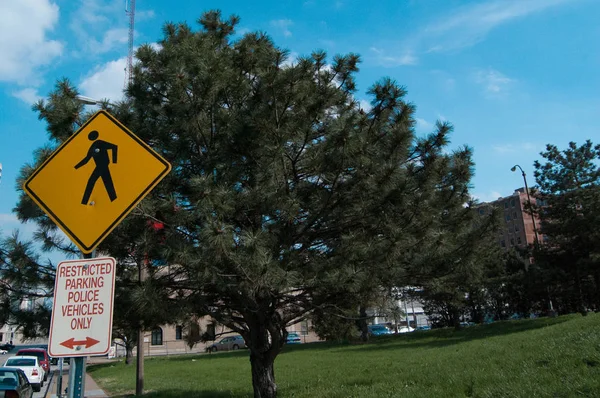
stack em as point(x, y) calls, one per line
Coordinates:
point(536, 241)
point(87, 100)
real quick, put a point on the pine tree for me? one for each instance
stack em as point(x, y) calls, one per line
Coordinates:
point(291, 197)
point(569, 194)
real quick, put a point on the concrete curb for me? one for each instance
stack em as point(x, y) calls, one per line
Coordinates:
point(49, 383)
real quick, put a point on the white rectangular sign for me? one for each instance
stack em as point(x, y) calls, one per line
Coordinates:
point(82, 313)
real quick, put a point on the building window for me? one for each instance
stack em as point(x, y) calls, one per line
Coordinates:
point(157, 338)
point(512, 202)
point(178, 332)
point(512, 242)
point(503, 243)
point(514, 215)
point(519, 240)
point(507, 217)
point(211, 331)
point(481, 211)
point(516, 227)
point(304, 328)
point(506, 204)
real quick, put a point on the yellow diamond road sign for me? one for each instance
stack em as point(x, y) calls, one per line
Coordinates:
point(94, 179)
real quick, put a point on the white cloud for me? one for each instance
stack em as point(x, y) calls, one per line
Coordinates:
point(106, 82)
point(7, 218)
point(519, 147)
point(111, 39)
point(99, 26)
point(470, 25)
point(24, 42)
point(283, 25)
point(292, 59)
point(28, 95)
point(466, 26)
point(142, 15)
point(406, 58)
point(487, 196)
point(493, 82)
point(9, 223)
point(423, 125)
point(365, 105)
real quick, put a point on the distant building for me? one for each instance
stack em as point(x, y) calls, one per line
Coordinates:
point(170, 339)
point(11, 333)
point(517, 226)
point(411, 307)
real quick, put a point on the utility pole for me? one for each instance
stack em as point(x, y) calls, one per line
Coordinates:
point(76, 384)
point(130, 12)
point(139, 374)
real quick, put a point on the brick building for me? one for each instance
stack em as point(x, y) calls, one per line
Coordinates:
point(517, 228)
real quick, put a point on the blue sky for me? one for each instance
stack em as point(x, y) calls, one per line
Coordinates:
point(511, 75)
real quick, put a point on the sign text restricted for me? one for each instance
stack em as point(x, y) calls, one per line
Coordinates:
point(82, 283)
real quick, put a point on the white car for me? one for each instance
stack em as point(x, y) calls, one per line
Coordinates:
point(2, 352)
point(31, 367)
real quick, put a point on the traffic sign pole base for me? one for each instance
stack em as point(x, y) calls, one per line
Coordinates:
point(76, 385)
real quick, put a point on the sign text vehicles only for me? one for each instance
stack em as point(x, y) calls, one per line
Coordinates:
point(82, 312)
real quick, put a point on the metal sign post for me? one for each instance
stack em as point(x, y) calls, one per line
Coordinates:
point(60, 377)
point(76, 385)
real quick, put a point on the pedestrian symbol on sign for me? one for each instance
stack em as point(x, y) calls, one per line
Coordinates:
point(99, 152)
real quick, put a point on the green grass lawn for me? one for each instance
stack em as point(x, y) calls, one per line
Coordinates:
point(557, 357)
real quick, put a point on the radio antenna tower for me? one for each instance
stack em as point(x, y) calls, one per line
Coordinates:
point(130, 12)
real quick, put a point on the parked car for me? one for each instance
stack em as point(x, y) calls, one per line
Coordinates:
point(227, 344)
point(14, 384)
point(42, 356)
point(424, 327)
point(2, 352)
point(378, 330)
point(405, 329)
point(6, 346)
point(293, 338)
point(31, 367)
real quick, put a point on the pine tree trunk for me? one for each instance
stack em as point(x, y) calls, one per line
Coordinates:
point(265, 341)
point(455, 317)
point(597, 283)
point(580, 302)
point(128, 354)
point(263, 375)
point(362, 322)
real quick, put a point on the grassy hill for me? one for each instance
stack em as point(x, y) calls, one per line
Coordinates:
point(557, 357)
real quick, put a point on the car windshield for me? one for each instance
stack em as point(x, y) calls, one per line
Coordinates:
point(20, 362)
point(293, 335)
point(8, 378)
point(38, 354)
point(378, 327)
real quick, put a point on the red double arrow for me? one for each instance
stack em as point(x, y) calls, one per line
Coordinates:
point(71, 343)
